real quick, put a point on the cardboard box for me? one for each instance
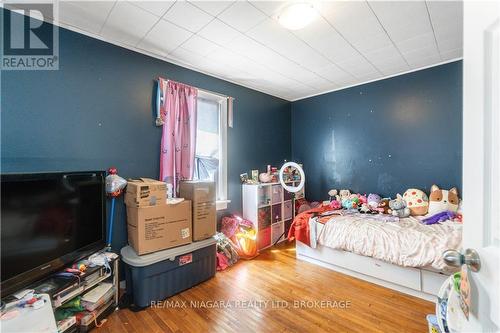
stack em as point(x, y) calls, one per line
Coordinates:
point(145, 192)
point(202, 194)
point(160, 227)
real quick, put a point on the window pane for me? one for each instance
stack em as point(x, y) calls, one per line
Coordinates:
point(207, 136)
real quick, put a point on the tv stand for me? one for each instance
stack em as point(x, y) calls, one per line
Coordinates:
point(61, 289)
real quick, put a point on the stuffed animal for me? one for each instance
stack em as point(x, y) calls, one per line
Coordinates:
point(362, 199)
point(347, 203)
point(334, 195)
point(365, 209)
point(398, 207)
point(355, 200)
point(439, 217)
point(344, 194)
point(383, 206)
point(373, 200)
point(443, 200)
point(335, 204)
point(417, 201)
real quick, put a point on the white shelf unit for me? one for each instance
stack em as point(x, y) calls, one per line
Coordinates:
point(271, 209)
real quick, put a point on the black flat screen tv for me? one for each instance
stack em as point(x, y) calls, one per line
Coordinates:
point(47, 221)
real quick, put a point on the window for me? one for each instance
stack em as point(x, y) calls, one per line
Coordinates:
point(211, 147)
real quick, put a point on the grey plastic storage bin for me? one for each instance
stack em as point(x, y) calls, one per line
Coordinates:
point(156, 276)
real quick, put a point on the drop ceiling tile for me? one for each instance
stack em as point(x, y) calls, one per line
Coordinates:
point(450, 44)
point(127, 23)
point(164, 38)
point(218, 32)
point(422, 53)
point(242, 16)
point(357, 66)
point(183, 55)
point(157, 8)
point(453, 54)
point(213, 8)
point(281, 40)
point(187, 16)
point(447, 20)
point(391, 70)
point(337, 75)
point(355, 21)
point(88, 16)
point(271, 8)
point(321, 84)
point(199, 45)
point(323, 38)
point(417, 42)
point(423, 62)
point(402, 19)
point(382, 54)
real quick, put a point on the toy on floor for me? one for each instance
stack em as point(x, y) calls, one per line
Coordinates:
point(439, 217)
point(417, 201)
point(443, 200)
point(398, 207)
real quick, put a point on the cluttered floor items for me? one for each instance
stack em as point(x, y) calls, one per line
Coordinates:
point(238, 239)
point(74, 299)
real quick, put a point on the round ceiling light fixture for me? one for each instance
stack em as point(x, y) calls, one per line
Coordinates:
point(297, 15)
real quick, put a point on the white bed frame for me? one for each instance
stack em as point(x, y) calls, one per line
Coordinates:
point(417, 282)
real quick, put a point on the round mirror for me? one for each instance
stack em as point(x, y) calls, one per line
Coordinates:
point(289, 173)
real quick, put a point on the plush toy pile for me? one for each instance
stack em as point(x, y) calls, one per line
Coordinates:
point(440, 205)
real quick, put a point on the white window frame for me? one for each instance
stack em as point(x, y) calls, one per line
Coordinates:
point(222, 195)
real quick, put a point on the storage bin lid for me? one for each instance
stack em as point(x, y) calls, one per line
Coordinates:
point(130, 257)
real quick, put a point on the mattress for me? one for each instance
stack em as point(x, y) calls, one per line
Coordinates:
point(406, 243)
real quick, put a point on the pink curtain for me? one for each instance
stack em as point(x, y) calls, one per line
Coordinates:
point(178, 141)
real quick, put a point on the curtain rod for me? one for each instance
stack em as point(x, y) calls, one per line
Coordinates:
point(203, 89)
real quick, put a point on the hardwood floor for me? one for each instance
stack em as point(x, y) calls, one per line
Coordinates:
point(277, 277)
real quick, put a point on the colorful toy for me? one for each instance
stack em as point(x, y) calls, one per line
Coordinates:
point(114, 187)
point(362, 199)
point(373, 200)
point(81, 266)
point(439, 217)
point(417, 201)
point(443, 200)
point(398, 207)
point(364, 209)
point(335, 204)
point(334, 195)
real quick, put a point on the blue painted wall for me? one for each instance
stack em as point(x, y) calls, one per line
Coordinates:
point(383, 137)
point(96, 112)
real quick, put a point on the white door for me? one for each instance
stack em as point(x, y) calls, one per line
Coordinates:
point(481, 169)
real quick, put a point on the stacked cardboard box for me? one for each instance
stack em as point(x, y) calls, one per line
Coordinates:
point(152, 224)
point(202, 195)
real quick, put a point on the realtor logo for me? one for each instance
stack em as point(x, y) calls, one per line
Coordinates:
point(28, 42)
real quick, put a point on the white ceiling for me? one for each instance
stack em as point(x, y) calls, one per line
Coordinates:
point(240, 41)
